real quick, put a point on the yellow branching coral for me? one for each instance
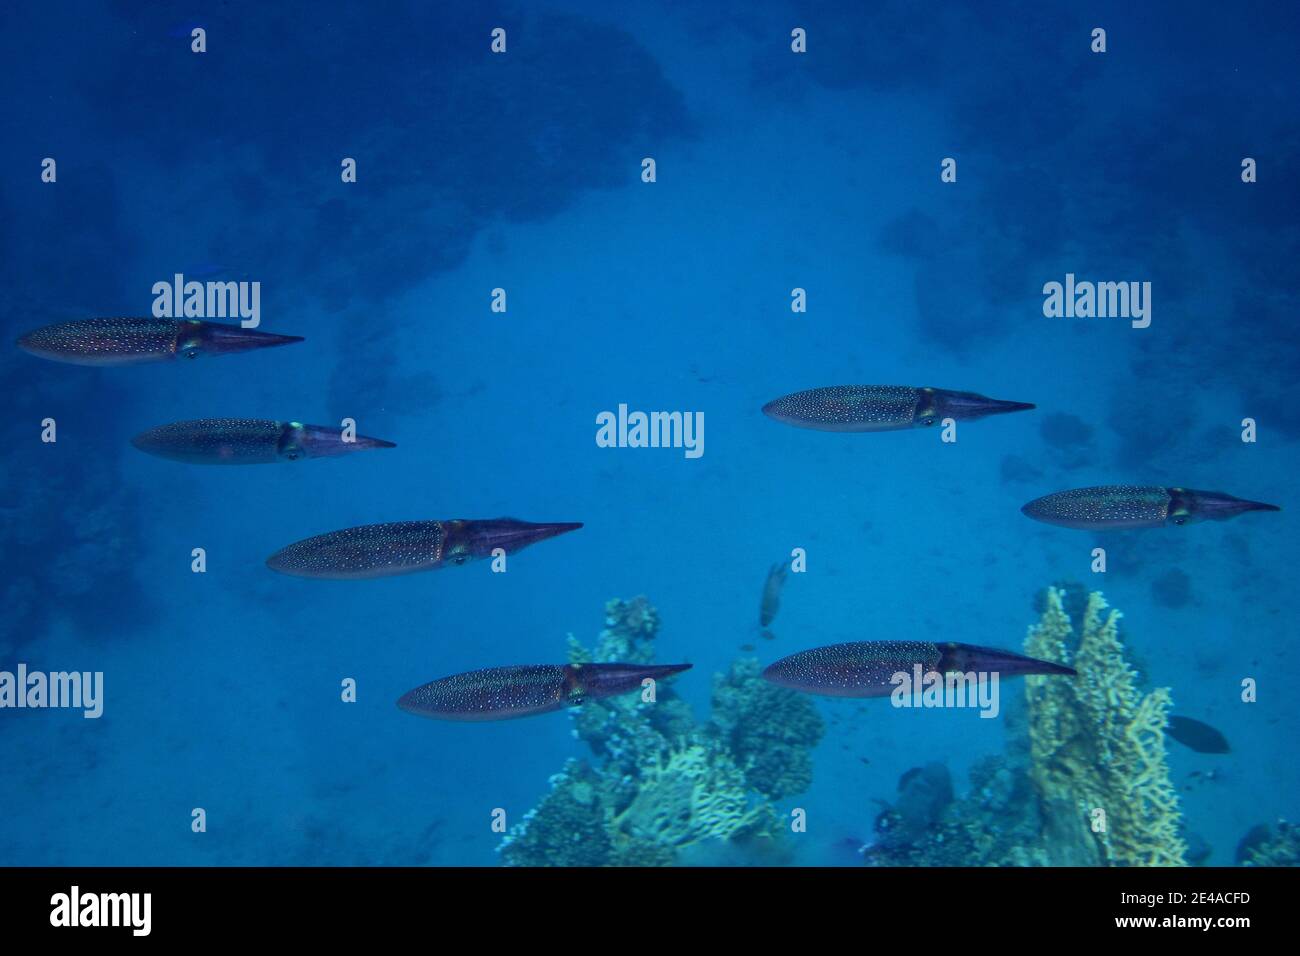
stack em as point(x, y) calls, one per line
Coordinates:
point(1098, 744)
point(688, 796)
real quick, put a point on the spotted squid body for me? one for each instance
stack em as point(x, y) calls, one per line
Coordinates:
point(504, 693)
point(866, 668)
point(882, 408)
point(403, 547)
point(1117, 507)
point(248, 441)
point(134, 341)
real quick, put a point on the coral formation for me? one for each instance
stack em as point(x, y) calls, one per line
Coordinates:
point(1097, 743)
point(567, 828)
point(769, 730)
point(997, 823)
point(1272, 847)
point(660, 782)
point(691, 794)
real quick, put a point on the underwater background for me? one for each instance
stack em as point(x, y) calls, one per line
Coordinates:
point(522, 170)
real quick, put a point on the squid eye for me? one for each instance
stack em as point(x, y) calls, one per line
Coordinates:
point(1180, 520)
point(292, 456)
point(927, 422)
point(191, 353)
point(460, 559)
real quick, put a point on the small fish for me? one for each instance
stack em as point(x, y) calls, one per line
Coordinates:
point(1122, 507)
point(767, 635)
point(248, 441)
point(504, 693)
point(748, 648)
point(1197, 735)
point(403, 547)
point(134, 341)
point(771, 602)
point(866, 668)
point(882, 408)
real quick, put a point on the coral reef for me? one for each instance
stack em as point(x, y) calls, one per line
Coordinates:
point(769, 730)
point(1267, 846)
point(567, 828)
point(691, 794)
point(661, 782)
point(1097, 744)
point(997, 823)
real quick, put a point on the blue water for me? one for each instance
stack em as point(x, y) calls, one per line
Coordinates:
point(523, 171)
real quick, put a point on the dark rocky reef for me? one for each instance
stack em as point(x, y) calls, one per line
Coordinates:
point(660, 786)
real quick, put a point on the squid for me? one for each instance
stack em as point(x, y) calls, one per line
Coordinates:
point(404, 547)
point(505, 693)
point(867, 668)
point(882, 408)
point(248, 441)
point(1120, 507)
point(135, 341)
